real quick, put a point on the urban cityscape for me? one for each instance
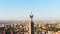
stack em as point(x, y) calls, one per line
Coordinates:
point(29, 16)
point(31, 27)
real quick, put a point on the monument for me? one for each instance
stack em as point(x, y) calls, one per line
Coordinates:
point(31, 24)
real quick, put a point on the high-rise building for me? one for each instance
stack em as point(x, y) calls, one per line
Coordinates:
point(31, 24)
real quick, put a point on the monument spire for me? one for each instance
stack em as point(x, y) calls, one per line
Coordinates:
point(32, 23)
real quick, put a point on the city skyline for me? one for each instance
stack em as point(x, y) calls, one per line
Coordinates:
point(21, 9)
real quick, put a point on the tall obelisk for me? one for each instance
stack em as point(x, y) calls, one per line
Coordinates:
point(31, 24)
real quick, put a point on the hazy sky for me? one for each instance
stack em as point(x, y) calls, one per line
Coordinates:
point(21, 9)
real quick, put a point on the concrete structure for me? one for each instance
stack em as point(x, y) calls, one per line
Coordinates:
point(57, 32)
point(31, 25)
point(50, 32)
